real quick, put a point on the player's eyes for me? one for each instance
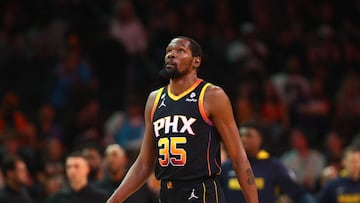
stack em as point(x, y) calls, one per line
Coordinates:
point(179, 50)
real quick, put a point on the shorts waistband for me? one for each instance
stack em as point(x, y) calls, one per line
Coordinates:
point(169, 184)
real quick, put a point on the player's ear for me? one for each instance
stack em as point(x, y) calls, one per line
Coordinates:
point(197, 62)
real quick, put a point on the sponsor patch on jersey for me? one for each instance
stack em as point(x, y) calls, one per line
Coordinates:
point(192, 97)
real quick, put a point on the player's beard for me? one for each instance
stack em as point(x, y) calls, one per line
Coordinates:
point(170, 73)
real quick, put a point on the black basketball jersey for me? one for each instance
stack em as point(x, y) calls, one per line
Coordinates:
point(187, 143)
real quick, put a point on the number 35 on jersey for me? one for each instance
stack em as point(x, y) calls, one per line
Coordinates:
point(169, 150)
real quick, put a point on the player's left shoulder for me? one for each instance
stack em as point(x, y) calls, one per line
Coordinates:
point(216, 100)
point(214, 91)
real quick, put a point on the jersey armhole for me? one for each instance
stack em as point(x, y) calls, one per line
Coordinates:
point(201, 105)
point(156, 101)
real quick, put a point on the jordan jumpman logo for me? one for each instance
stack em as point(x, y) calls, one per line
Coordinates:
point(162, 101)
point(192, 195)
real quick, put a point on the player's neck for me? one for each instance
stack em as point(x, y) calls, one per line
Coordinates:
point(179, 85)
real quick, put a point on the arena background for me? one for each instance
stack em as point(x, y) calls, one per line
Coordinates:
point(70, 69)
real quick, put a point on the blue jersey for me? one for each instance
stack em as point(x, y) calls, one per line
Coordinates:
point(187, 143)
point(340, 190)
point(271, 178)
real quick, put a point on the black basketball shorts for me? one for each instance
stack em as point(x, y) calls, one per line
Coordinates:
point(194, 191)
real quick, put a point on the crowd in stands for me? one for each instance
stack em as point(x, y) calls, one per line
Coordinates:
point(74, 75)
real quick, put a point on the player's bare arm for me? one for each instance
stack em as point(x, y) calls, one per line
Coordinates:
point(144, 164)
point(217, 105)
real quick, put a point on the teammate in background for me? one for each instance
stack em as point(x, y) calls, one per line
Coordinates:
point(270, 173)
point(16, 178)
point(185, 123)
point(346, 187)
point(79, 190)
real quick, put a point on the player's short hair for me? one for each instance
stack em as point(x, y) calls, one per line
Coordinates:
point(77, 154)
point(194, 46)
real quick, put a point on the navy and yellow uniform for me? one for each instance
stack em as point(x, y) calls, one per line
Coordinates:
point(340, 190)
point(188, 147)
point(271, 178)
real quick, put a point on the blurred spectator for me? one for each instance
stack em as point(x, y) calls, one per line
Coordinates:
point(346, 187)
point(334, 146)
point(72, 78)
point(11, 116)
point(127, 28)
point(93, 154)
point(53, 157)
point(312, 111)
point(347, 107)
point(245, 108)
point(324, 49)
point(47, 123)
point(116, 163)
point(51, 169)
point(16, 180)
point(248, 46)
point(86, 124)
point(306, 163)
point(291, 83)
point(333, 149)
point(274, 113)
point(79, 190)
point(352, 54)
point(247, 54)
point(129, 135)
point(111, 126)
point(52, 185)
point(10, 145)
point(29, 137)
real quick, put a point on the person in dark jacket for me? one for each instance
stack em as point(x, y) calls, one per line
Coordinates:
point(79, 189)
point(116, 162)
point(16, 179)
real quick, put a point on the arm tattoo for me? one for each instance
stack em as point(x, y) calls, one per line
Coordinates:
point(250, 176)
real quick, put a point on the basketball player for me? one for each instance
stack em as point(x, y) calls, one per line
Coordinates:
point(185, 123)
point(346, 187)
point(271, 176)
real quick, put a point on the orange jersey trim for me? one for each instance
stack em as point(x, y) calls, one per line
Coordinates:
point(156, 101)
point(175, 98)
point(201, 105)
